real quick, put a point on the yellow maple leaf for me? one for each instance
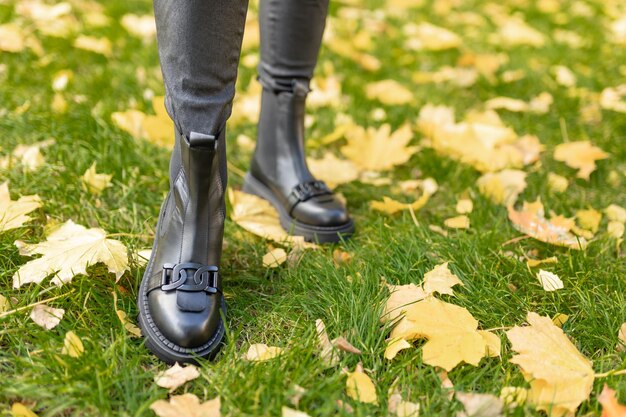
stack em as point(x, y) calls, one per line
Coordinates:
point(176, 376)
point(560, 376)
point(12, 38)
point(400, 297)
point(427, 36)
point(458, 222)
point(394, 346)
point(502, 187)
point(440, 279)
point(389, 92)
point(451, 331)
point(13, 214)
point(143, 27)
point(187, 405)
point(20, 410)
point(379, 149)
point(332, 170)
point(260, 352)
point(581, 155)
point(513, 31)
point(274, 258)
point(557, 183)
point(158, 128)
point(101, 46)
point(94, 182)
point(72, 345)
point(531, 220)
point(67, 252)
point(391, 206)
point(589, 219)
point(360, 387)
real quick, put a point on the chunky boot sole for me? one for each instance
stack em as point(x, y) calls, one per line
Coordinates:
point(166, 350)
point(311, 233)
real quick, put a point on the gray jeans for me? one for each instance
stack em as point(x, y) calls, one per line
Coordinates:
point(200, 44)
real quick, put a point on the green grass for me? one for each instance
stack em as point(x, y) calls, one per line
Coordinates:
point(279, 307)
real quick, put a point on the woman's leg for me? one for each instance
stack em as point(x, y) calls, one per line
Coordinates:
point(180, 297)
point(291, 35)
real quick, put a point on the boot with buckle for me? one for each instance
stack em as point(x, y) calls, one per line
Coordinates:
point(279, 173)
point(181, 305)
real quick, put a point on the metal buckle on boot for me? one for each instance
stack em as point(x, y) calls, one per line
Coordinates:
point(205, 277)
point(308, 190)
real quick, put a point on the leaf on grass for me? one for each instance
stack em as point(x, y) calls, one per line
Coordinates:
point(538, 105)
point(4, 304)
point(464, 206)
point(290, 412)
point(581, 155)
point(28, 156)
point(427, 36)
point(589, 219)
point(187, 405)
point(458, 222)
point(332, 170)
point(46, 316)
point(123, 317)
point(493, 343)
point(176, 376)
point(67, 252)
point(274, 258)
point(258, 217)
point(155, 129)
point(557, 183)
point(479, 405)
point(502, 187)
point(389, 92)
point(94, 182)
point(560, 319)
point(101, 46)
point(612, 98)
point(621, 336)
point(440, 279)
point(395, 346)
point(378, 149)
point(328, 353)
point(549, 281)
point(400, 297)
point(360, 387)
point(143, 27)
point(391, 206)
point(72, 345)
point(398, 406)
point(12, 38)
point(560, 377)
point(615, 213)
point(451, 332)
point(513, 397)
point(556, 231)
point(260, 352)
point(13, 214)
point(536, 262)
point(20, 410)
point(513, 31)
point(610, 406)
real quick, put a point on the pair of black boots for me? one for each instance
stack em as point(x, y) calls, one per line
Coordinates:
point(181, 305)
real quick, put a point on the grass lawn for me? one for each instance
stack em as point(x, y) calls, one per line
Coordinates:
point(115, 375)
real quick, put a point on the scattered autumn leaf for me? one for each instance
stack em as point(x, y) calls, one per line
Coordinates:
point(391, 206)
point(560, 376)
point(13, 214)
point(458, 222)
point(581, 155)
point(479, 405)
point(440, 279)
point(531, 221)
point(502, 187)
point(72, 345)
point(610, 406)
point(101, 46)
point(549, 281)
point(395, 346)
point(290, 412)
point(427, 36)
point(274, 258)
point(360, 387)
point(143, 27)
point(46, 316)
point(94, 182)
point(176, 376)
point(557, 183)
point(28, 156)
point(464, 206)
point(389, 92)
point(260, 352)
point(20, 410)
point(67, 252)
point(187, 405)
point(332, 170)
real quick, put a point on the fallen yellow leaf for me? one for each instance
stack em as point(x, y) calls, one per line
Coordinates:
point(458, 222)
point(440, 279)
point(389, 92)
point(502, 187)
point(557, 183)
point(67, 252)
point(360, 387)
point(560, 376)
point(13, 213)
point(72, 345)
point(332, 170)
point(549, 281)
point(610, 406)
point(187, 405)
point(580, 155)
point(176, 376)
point(46, 316)
point(391, 206)
point(94, 182)
point(274, 258)
point(395, 346)
point(260, 352)
point(101, 46)
point(20, 410)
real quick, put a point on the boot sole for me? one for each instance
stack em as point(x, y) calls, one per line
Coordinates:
point(318, 234)
point(164, 349)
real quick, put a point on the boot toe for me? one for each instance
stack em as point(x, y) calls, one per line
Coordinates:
point(184, 328)
point(321, 212)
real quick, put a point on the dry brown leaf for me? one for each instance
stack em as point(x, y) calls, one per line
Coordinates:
point(580, 155)
point(72, 345)
point(610, 406)
point(260, 352)
point(531, 221)
point(328, 353)
point(389, 92)
point(94, 182)
point(342, 344)
point(13, 213)
point(67, 252)
point(187, 405)
point(379, 149)
point(451, 332)
point(549, 281)
point(560, 376)
point(332, 170)
point(458, 222)
point(440, 279)
point(274, 258)
point(176, 376)
point(479, 405)
point(46, 316)
point(360, 387)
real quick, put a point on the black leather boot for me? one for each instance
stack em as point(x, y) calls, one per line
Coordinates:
point(181, 306)
point(279, 173)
